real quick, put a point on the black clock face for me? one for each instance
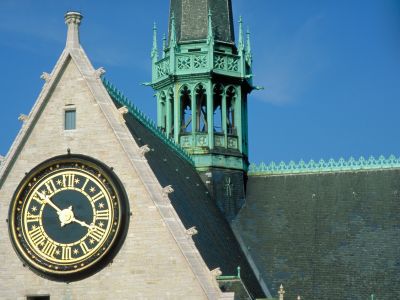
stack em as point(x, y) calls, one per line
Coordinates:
point(68, 217)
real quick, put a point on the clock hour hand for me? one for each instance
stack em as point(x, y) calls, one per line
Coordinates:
point(82, 223)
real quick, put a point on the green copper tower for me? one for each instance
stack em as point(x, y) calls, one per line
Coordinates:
point(202, 80)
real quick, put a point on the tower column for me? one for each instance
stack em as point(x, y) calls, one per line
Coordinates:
point(224, 119)
point(169, 114)
point(194, 112)
point(159, 111)
point(239, 118)
point(210, 115)
point(177, 115)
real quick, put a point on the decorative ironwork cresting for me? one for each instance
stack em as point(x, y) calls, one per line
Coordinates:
point(330, 165)
point(118, 97)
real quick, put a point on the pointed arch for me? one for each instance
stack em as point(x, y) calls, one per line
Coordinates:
point(218, 94)
point(200, 92)
point(185, 95)
point(231, 95)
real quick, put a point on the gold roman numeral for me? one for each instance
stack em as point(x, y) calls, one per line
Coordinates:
point(49, 248)
point(37, 235)
point(50, 186)
point(32, 218)
point(85, 184)
point(97, 233)
point(69, 180)
point(98, 196)
point(84, 247)
point(102, 214)
point(38, 199)
point(66, 253)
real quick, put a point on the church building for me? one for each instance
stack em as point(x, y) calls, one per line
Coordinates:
point(98, 201)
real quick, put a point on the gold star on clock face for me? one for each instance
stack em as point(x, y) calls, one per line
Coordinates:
point(77, 180)
point(92, 189)
point(76, 251)
point(57, 252)
point(101, 224)
point(101, 205)
point(34, 208)
point(34, 227)
point(59, 182)
point(91, 241)
point(44, 192)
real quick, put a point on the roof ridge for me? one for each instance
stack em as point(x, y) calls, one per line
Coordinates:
point(322, 165)
point(120, 98)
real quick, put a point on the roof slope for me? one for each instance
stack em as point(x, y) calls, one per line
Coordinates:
point(325, 235)
point(194, 206)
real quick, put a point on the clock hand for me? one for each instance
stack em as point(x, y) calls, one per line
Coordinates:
point(46, 199)
point(82, 223)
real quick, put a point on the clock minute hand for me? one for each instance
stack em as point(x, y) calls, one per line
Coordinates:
point(46, 199)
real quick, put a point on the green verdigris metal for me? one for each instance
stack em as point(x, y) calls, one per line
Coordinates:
point(330, 165)
point(118, 97)
point(213, 132)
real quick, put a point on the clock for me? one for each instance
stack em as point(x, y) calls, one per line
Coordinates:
point(68, 217)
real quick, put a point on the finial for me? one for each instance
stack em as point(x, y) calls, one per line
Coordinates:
point(281, 292)
point(238, 271)
point(210, 34)
point(154, 50)
point(164, 45)
point(248, 46)
point(172, 41)
point(73, 19)
point(241, 43)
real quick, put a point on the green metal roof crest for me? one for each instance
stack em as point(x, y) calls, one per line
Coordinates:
point(330, 165)
point(117, 96)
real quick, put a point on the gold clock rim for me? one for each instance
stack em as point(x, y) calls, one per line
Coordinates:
point(23, 185)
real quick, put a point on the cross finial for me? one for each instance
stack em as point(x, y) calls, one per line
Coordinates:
point(281, 292)
point(73, 19)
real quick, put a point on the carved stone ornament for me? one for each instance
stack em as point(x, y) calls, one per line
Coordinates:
point(99, 72)
point(192, 231)
point(23, 117)
point(216, 272)
point(123, 110)
point(167, 190)
point(45, 76)
point(143, 150)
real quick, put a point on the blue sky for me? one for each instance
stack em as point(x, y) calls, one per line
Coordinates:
point(331, 69)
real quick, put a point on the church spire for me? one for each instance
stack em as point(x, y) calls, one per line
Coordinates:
point(73, 19)
point(191, 19)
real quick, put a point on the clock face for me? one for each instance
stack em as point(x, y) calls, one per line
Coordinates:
point(68, 217)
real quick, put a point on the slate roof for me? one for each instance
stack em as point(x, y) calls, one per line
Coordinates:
point(193, 204)
point(325, 235)
point(191, 20)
